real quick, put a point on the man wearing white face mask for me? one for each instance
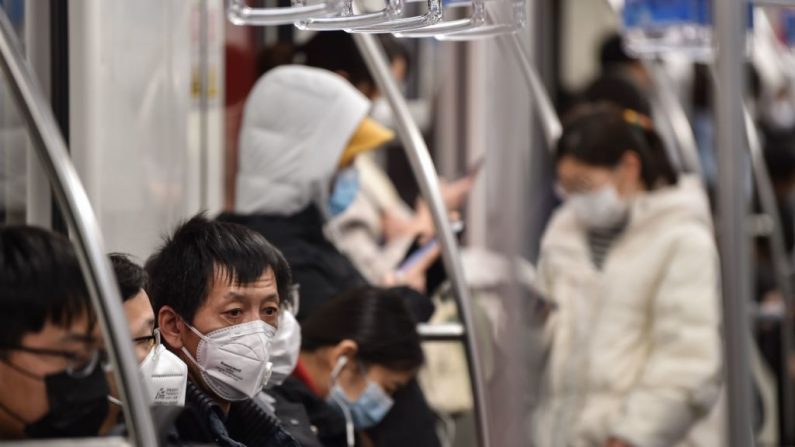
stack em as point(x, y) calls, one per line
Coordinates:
point(630, 263)
point(164, 374)
point(216, 289)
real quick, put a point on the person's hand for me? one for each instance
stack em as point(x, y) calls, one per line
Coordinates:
point(456, 192)
point(395, 225)
point(613, 442)
point(414, 276)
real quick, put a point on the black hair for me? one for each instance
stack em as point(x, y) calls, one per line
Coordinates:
point(613, 54)
point(330, 50)
point(181, 272)
point(40, 282)
point(130, 276)
point(600, 134)
point(619, 90)
point(376, 319)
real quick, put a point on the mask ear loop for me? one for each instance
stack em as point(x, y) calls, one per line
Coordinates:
point(346, 412)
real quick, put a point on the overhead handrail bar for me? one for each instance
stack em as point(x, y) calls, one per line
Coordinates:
point(730, 32)
point(349, 18)
point(431, 17)
point(517, 21)
point(100, 280)
point(477, 22)
point(239, 13)
point(427, 178)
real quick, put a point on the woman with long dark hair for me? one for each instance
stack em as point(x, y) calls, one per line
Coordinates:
point(630, 262)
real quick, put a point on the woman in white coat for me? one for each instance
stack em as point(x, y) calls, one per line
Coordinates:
point(630, 264)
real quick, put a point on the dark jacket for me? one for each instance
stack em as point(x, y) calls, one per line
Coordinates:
point(326, 419)
point(246, 425)
point(322, 272)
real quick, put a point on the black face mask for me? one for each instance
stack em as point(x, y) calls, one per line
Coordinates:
point(78, 406)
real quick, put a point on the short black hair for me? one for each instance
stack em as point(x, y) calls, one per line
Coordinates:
point(600, 134)
point(40, 282)
point(130, 276)
point(376, 319)
point(183, 269)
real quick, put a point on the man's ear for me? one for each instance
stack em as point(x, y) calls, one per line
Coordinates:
point(171, 327)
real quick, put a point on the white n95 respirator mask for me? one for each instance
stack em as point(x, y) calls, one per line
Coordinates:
point(285, 348)
point(599, 209)
point(165, 375)
point(234, 361)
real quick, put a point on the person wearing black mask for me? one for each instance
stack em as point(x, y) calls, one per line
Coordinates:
point(52, 383)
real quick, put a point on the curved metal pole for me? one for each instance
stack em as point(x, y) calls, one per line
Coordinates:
point(51, 149)
point(424, 171)
point(550, 123)
point(781, 264)
point(733, 229)
point(676, 117)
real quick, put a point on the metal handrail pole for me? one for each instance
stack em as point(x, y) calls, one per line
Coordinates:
point(730, 32)
point(781, 264)
point(425, 173)
point(51, 149)
point(441, 332)
point(550, 123)
point(676, 117)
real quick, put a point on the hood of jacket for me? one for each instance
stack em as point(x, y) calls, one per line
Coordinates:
point(296, 124)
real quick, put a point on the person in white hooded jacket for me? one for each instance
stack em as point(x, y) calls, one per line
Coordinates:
point(630, 266)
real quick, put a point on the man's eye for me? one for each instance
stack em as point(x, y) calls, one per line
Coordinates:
point(234, 313)
point(270, 311)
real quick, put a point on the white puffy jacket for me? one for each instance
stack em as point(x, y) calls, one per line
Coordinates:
point(635, 348)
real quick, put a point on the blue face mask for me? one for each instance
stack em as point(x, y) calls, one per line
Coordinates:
point(346, 187)
point(369, 409)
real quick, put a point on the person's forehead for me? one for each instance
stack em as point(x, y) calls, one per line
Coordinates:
point(139, 307)
point(265, 286)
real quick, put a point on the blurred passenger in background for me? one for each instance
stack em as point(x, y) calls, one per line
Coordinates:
point(358, 353)
point(216, 289)
point(615, 61)
point(630, 262)
point(378, 228)
point(52, 384)
point(302, 129)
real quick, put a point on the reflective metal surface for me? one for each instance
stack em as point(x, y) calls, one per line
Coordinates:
point(733, 211)
point(82, 223)
point(425, 173)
